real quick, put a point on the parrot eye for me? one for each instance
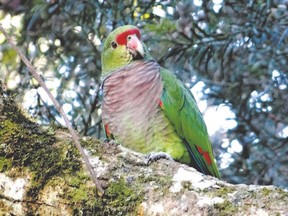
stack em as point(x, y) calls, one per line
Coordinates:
point(129, 37)
point(114, 45)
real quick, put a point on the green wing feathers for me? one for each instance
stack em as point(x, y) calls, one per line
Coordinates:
point(181, 109)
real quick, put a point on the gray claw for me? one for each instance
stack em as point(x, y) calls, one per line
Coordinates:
point(154, 156)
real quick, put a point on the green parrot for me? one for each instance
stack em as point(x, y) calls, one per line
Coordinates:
point(146, 108)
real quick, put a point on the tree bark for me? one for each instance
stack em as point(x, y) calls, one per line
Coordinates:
point(42, 173)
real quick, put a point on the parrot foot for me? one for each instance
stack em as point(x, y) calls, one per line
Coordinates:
point(110, 141)
point(154, 156)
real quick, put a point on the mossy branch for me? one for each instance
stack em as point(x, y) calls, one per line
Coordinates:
point(40, 174)
point(73, 133)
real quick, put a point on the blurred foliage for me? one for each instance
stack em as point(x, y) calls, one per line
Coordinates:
point(237, 48)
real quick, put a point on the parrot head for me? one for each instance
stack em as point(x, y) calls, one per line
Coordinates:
point(122, 47)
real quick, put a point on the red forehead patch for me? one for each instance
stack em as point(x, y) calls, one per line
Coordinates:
point(122, 38)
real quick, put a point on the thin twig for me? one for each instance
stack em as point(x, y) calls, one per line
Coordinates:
point(73, 133)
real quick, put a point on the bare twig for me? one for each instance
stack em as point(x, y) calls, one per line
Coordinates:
point(73, 133)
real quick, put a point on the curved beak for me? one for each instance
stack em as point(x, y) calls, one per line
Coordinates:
point(135, 47)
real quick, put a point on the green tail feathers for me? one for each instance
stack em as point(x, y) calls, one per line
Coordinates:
point(181, 109)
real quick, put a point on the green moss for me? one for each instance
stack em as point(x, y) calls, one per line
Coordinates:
point(186, 185)
point(5, 164)
point(89, 143)
point(80, 194)
point(281, 193)
point(222, 192)
point(266, 191)
point(25, 144)
point(225, 208)
point(120, 199)
point(92, 145)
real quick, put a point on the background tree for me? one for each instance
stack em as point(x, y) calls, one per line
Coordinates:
point(236, 50)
